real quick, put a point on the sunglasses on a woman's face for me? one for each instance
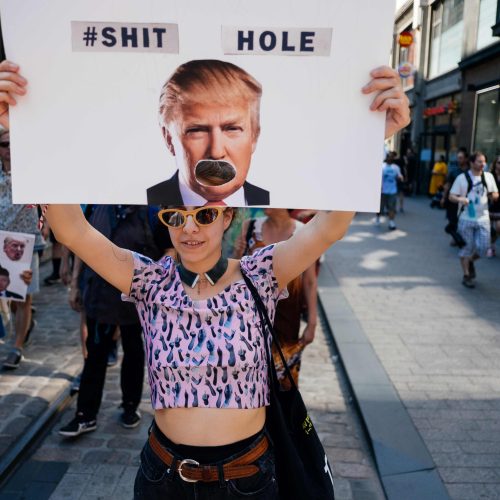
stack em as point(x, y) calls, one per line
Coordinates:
point(176, 217)
point(4, 144)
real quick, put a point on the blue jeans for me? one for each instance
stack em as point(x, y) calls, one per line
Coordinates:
point(155, 480)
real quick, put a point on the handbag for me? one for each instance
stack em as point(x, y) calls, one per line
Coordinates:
point(302, 468)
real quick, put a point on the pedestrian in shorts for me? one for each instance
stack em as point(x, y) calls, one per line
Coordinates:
point(471, 191)
point(391, 174)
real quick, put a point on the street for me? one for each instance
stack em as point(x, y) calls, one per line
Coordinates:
point(438, 341)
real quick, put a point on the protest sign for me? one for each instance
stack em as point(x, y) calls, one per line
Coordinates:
point(183, 102)
point(16, 252)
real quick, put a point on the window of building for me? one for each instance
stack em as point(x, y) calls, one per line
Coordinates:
point(487, 122)
point(487, 18)
point(446, 36)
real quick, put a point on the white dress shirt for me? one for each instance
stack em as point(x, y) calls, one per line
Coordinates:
point(190, 198)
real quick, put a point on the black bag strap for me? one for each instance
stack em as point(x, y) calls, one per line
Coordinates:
point(469, 182)
point(248, 236)
point(268, 329)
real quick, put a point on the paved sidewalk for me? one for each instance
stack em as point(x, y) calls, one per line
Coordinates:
point(438, 341)
point(51, 360)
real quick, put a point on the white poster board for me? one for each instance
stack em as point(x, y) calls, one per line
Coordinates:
point(88, 129)
point(16, 252)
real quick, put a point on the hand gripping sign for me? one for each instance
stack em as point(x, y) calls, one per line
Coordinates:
point(190, 102)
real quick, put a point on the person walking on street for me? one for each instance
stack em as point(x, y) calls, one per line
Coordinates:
point(451, 207)
point(259, 232)
point(471, 191)
point(126, 226)
point(438, 176)
point(23, 219)
point(495, 209)
point(391, 174)
point(206, 355)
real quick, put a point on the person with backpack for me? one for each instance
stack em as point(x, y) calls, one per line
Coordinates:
point(128, 226)
point(472, 191)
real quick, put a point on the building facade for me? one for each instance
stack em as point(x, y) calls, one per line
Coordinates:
point(455, 89)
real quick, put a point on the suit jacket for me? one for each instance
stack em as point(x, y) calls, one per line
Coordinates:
point(169, 193)
point(12, 295)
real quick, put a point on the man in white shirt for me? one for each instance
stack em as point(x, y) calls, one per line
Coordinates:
point(471, 191)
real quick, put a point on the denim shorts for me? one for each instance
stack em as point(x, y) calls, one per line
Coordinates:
point(155, 480)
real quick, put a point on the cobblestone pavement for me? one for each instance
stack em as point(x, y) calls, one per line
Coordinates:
point(103, 464)
point(51, 360)
point(438, 341)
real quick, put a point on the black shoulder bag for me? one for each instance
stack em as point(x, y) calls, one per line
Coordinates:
point(302, 468)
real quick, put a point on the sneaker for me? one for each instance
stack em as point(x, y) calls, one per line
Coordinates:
point(472, 270)
point(52, 280)
point(467, 282)
point(113, 354)
point(392, 225)
point(130, 418)
point(79, 425)
point(27, 340)
point(13, 359)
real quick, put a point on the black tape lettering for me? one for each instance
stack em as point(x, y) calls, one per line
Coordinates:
point(284, 45)
point(108, 34)
point(159, 36)
point(307, 41)
point(272, 41)
point(242, 40)
point(126, 37)
point(145, 37)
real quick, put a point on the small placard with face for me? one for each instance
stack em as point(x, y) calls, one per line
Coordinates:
point(16, 252)
point(215, 102)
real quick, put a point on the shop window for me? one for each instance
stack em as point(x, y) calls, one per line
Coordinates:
point(487, 18)
point(487, 124)
point(446, 36)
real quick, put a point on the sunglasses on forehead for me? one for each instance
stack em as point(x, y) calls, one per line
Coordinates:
point(176, 217)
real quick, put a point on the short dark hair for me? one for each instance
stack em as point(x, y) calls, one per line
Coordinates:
point(473, 156)
point(4, 272)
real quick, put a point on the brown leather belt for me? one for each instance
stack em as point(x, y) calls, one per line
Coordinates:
point(191, 471)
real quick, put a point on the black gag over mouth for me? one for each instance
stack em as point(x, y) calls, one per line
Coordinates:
point(210, 173)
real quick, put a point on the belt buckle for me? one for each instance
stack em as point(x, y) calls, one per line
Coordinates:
point(190, 462)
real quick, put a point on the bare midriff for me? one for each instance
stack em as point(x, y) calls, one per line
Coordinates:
point(209, 426)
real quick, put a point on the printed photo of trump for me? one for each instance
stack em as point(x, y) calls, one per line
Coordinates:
point(209, 114)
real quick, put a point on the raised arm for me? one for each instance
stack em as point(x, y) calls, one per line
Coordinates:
point(70, 228)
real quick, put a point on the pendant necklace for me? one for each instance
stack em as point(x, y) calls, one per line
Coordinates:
point(211, 276)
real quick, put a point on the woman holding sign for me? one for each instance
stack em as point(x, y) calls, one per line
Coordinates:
point(206, 355)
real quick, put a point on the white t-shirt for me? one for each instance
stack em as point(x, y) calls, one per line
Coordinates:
point(390, 174)
point(478, 196)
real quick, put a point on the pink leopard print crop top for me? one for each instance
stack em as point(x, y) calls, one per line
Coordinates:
point(205, 353)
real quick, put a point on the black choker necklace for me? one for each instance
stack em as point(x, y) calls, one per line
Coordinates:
point(212, 276)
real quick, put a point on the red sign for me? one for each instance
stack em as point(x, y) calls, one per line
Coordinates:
point(449, 108)
point(405, 39)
